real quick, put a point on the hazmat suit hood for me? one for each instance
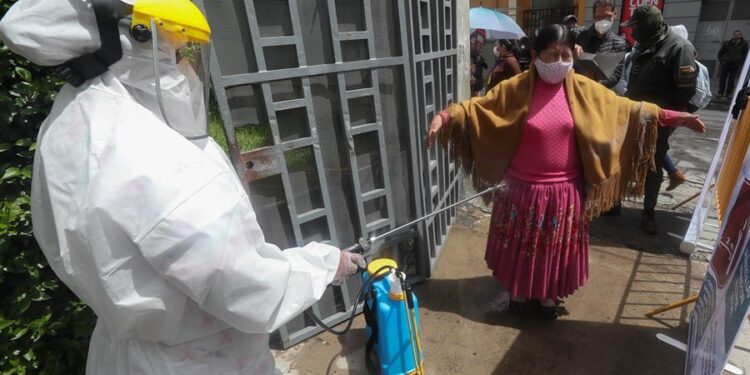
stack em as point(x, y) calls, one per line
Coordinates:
point(182, 93)
point(51, 32)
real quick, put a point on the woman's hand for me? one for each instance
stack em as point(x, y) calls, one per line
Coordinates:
point(690, 121)
point(685, 120)
point(435, 125)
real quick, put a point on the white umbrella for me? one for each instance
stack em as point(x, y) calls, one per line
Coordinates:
point(497, 25)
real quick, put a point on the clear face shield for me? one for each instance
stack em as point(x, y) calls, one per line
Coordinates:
point(182, 84)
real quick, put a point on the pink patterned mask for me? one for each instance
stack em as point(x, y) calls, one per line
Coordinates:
point(554, 72)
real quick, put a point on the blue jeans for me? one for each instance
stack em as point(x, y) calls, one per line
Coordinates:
point(655, 177)
point(668, 164)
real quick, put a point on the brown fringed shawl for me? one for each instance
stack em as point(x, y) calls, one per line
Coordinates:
point(616, 137)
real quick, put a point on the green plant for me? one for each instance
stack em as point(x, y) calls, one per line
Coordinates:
point(44, 328)
point(249, 137)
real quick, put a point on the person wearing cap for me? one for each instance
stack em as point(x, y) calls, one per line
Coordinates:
point(699, 101)
point(478, 65)
point(571, 22)
point(138, 211)
point(663, 71)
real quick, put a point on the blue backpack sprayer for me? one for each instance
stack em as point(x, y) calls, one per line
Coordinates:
point(390, 308)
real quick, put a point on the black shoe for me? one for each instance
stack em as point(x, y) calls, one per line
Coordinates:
point(549, 312)
point(517, 307)
point(648, 226)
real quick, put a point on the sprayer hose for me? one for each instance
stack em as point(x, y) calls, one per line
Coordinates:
point(357, 301)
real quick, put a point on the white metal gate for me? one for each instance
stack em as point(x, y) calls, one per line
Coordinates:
point(343, 91)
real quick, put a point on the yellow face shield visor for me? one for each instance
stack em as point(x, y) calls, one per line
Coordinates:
point(184, 27)
point(181, 19)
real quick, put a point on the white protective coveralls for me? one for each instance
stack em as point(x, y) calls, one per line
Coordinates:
point(154, 232)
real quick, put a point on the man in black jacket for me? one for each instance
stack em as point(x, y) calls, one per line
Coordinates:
point(663, 72)
point(731, 56)
point(599, 38)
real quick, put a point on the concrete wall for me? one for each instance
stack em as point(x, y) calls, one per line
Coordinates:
point(683, 12)
point(463, 75)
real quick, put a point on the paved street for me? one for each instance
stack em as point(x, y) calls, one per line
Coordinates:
point(604, 330)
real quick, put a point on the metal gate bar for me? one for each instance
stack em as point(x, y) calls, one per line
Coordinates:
point(434, 54)
point(366, 228)
point(427, 191)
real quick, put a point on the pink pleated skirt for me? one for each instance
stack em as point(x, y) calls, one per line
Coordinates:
point(539, 239)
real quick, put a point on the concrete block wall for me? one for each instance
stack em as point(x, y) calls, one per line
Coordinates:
point(463, 75)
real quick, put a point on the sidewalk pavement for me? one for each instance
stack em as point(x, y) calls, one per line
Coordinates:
point(604, 330)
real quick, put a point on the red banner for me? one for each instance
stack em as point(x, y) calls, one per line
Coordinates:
point(628, 6)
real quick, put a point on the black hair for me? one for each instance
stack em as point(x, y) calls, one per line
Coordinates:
point(552, 34)
point(737, 31)
point(604, 3)
point(510, 46)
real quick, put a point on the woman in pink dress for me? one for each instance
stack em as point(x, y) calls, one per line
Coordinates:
point(567, 149)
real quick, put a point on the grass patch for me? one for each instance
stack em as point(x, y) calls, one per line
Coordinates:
point(253, 136)
point(216, 130)
point(299, 159)
point(248, 137)
point(257, 136)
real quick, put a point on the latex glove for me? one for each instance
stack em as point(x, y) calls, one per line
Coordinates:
point(349, 263)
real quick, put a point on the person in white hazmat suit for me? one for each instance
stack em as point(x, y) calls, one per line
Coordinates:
point(138, 211)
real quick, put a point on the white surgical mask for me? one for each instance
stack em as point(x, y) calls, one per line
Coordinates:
point(554, 72)
point(602, 26)
point(496, 52)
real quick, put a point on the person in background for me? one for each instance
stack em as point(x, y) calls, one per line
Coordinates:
point(571, 22)
point(562, 145)
point(703, 82)
point(699, 101)
point(663, 71)
point(524, 53)
point(599, 38)
point(476, 40)
point(731, 56)
point(506, 65)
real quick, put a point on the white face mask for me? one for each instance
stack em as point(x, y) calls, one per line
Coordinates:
point(602, 26)
point(496, 51)
point(554, 72)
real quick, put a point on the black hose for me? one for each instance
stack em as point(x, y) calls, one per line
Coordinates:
point(357, 301)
